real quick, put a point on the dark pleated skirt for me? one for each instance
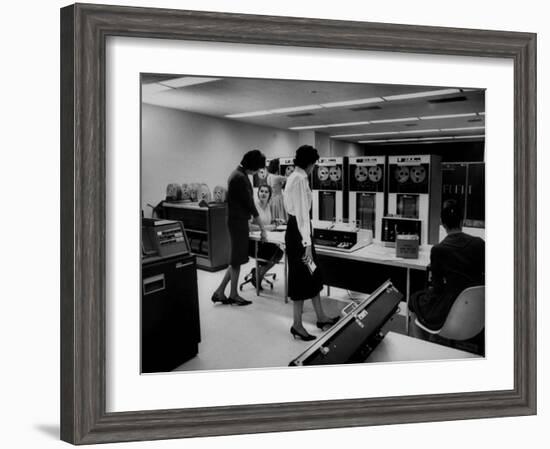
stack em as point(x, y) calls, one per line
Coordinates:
point(238, 235)
point(302, 284)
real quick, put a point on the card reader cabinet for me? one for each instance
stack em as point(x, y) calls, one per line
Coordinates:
point(170, 324)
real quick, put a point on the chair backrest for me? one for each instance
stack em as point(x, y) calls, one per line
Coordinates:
point(466, 318)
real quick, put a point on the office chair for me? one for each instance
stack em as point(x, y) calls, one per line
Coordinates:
point(465, 320)
point(251, 276)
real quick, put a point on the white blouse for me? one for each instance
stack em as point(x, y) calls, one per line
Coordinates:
point(263, 213)
point(297, 198)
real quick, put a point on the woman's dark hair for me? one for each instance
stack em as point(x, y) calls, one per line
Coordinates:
point(451, 214)
point(273, 166)
point(253, 160)
point(268, 187)
point(306, 155)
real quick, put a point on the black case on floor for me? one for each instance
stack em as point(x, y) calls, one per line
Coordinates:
point(354, 337)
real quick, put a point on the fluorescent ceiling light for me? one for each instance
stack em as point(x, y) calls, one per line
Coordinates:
point(481, 113)
point(334, 125)
point(367, 134)
point(249, 114)
point(404, 139)
point(395, 120)
point(410, 139)
point(310, 107)
point(463, 129)
point(470, 137)
point(420, 131)
point(436, 138)
point(298, 128)
point(275, 111)
point(430, 93)
point(331, 125)
point(435, 117)
point(186, 81)
point(154, 88)
point(336, 104)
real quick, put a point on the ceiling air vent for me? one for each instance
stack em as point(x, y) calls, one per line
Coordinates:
point(365, 108)
point(447, 100)
point(411, 124)
point(475, 120)
point(300, 114)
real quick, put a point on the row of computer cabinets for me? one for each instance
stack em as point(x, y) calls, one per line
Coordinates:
point(465, 183)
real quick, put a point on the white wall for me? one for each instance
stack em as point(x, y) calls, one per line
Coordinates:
point(179, 146)
point(29, 186)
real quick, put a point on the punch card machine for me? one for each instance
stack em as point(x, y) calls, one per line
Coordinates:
point(414, 198)
point(366, 192)
point(328, 189)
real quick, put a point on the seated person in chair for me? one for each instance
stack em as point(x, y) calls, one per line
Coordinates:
point(269, 253)
point(457, 262)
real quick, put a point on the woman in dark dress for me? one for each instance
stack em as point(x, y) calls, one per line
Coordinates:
point(240, 207)
point(305, 280)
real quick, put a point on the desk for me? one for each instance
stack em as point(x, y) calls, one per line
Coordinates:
point(375, 253)
point(401, 348)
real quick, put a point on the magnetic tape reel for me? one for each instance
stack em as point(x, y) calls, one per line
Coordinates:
point(401, 174)
point(219, 194)
point(361, 173)
point(203, 193)
point(322, 173)
point(375, 173)
point(194, 191)
point(418, 174)
point(335, 173)
point(173, 192)
point(185, 192)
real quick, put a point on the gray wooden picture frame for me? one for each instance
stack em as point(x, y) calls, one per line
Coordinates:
point(84, 29)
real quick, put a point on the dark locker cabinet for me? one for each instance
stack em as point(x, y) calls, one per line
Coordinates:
point(465, 183)
point(454, 183)
point(475, 196)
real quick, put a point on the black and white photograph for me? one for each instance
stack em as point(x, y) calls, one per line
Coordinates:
point(296, 223)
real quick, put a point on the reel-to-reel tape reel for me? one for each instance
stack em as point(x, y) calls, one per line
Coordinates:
point(366, 192)
point(416, 174)
point(414, 192)
point(286, 166)
point(327, 174)
point(327, 182)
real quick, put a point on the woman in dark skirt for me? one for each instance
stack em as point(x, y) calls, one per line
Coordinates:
point(305, 280)
point(240, 207)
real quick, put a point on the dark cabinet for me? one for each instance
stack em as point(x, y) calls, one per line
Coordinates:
point(206, 229)
point(170, 324)
point(454, 183)
point(465, 183)
point(475, 196)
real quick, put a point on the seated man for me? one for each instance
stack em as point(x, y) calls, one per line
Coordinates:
point(457, 262)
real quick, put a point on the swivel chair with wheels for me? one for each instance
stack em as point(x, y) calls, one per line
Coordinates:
point(250, 278)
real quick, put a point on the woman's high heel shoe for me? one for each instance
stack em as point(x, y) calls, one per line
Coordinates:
point(322, 324)
point(306, 337)
point(220, 298)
